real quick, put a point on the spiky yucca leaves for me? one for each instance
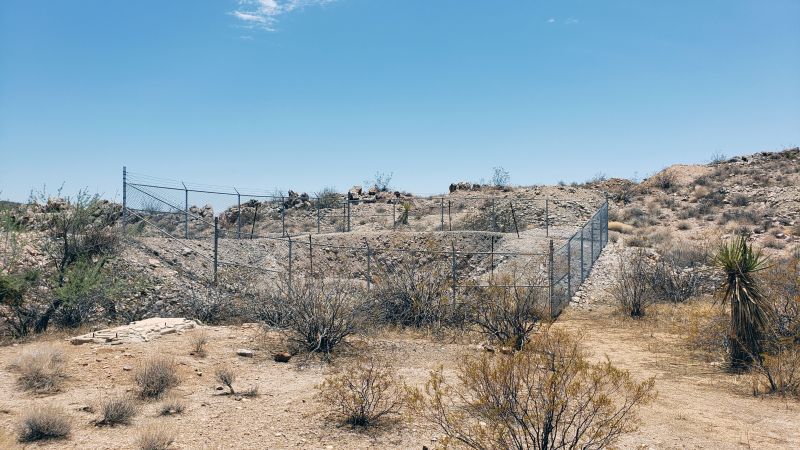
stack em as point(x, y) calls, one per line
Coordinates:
point(750, 309)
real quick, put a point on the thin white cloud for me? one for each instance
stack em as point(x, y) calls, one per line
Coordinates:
point(551, 20)
point(264, 14)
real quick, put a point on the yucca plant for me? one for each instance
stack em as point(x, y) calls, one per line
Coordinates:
point(750, 310)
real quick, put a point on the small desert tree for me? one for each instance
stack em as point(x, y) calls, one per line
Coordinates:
point(750, 309)
point(632, 287)
point(508, 314)
point(547, 396)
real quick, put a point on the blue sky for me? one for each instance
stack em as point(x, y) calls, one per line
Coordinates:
point(306, 94)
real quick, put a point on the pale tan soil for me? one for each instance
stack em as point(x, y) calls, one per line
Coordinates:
point(699, 405)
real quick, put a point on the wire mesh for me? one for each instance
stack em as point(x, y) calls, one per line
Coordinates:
point(277, 235)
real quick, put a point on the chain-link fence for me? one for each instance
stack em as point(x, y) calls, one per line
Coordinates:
point(283, 237)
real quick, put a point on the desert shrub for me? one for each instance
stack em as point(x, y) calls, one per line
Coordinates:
point(363, 393)
point(683, 226)
point(85, 289)
point(118, 411)
point(198, 343)
point(409, 294)
point(677, 276)
point(707, 328)
point(632, 287)
point(638, 240)
point(740, 200)
point(77, 232)
point(43, 423)
point(329, 198)
point(171, 406)
point(664, 180)
point(778, 372)
point(546, 396)
point(155, 376)
point(772, 242)
point(41, 370)
point(209, 306)
point(155, 437)
point(781, 281)
point(508, 315)
point(18, 314)
point(226, 375)
point(319, 315)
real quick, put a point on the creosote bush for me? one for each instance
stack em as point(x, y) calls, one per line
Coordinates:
point(155, 376)
point(632, 287)
point(508, 315)
point(118, 411)
point(547, 396)
point(41, 370)
point(44, 422)
point(319, 315)
point(408, 295)
point(363, 393)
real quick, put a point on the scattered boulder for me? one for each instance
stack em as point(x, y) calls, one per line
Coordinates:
point(282, 357)
point(244, 352)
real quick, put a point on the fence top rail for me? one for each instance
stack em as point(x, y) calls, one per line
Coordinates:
point(151, 182)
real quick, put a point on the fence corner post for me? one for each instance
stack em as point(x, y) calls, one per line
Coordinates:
point(550, 277)
point(216, 247)
point(369, 271)
point(185, 211)
point(124, 199)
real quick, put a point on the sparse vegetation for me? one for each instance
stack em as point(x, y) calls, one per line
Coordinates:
point(155, 437)
point(226, 375)
point(546, 396)
point(41, 370)
point(155, 376)
point(198, 343)
point(44, 423)
point(363, 393)
point(632, 288)
point(508, 315)
point(172, 406)
point(319, 315)
point(118, 410)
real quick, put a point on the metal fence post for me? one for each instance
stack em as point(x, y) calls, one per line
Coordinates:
point(318, 217)
point(348, 217)
point(582, 263)
point(310, 257)
point(290, 267)
point(124, 198)
point(216, 247)
point(185, 211)
point(239, 214)
point(591, 242)
point(550, 278)
point(453, 269)
point(394, 214)
point(569, 268)
point(449, 215)
point(283, 217)
point(547, 217)
point(441, 210)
